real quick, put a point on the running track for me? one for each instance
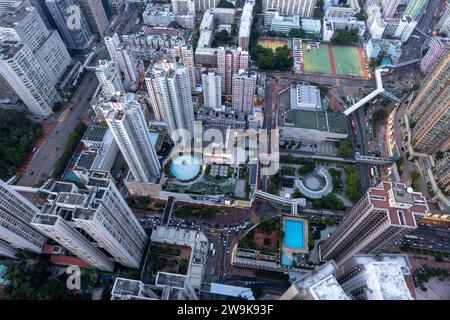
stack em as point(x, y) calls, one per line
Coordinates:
point(330, 55)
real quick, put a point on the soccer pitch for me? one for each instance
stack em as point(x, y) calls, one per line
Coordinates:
point(335, 60)
point(347, 61)
point(316, 60)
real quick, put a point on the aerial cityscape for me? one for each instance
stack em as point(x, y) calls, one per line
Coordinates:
point(224, 150)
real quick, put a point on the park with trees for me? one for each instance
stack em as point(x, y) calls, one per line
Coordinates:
point(18, 134)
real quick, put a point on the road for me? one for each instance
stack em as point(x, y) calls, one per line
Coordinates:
point(273, 286)
point(273, 87)
point(363, 168)
point(78, 108)
point(52, 148)
point(430, 237)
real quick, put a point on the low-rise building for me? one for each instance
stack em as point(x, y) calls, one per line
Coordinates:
point(317, 126)
point(285, 23)
point(305, 97)
point(158, 15)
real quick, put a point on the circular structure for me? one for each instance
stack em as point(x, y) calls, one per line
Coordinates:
point(316, 185)
point(185, 167)
point(313, 182)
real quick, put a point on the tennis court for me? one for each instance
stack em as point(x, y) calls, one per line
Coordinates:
point(316, 60)
point(272, 44)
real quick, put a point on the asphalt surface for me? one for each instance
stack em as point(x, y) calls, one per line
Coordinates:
point(430, 237)
point(52, 148)
point(75, 110)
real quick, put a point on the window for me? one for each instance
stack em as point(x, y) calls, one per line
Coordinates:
point(401, 217)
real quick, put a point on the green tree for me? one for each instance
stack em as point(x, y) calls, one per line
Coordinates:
point(297, 33)
point(18, 135)
point(345, 36)
point(307, 167)
point(225, 4)
point(439, 155)
point(329, 201)
point(234, 29)
point(346, 148)
point(353, 188)
point(319, 13)
point(414, 175)
point(174, 24)
point(222, 37)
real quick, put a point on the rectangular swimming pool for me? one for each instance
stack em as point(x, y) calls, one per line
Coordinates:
point(293, 234)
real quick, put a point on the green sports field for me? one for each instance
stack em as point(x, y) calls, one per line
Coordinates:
point(316, 60)
point(272, 44)
point(347, 61)
point(335, 60)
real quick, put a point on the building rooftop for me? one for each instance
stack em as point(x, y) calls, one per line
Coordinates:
point(401, 259)
point(321, 283)
point(400, 207)
point(385, 281)
point(95, 133)
point(231, 291)
point(71, 199)
point(319, 120)
point(207, 21)
point(86, 160)
point(328, 289)
point(246, 19)
point(13, 15)
point(305, 97)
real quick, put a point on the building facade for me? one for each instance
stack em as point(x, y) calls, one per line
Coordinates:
point(170, 96)
point(389, 7)
point(20, 68)
point(437, 48)
point(16, 214)
point(304, 8)
point(442, 171)
point(429, 113)
point(443, 25)
point(245, 26)
point(108, 74)
point(230, 62)
point(376, 222)
point(127, 123)
point(95, 15)
point(244, 86)
point(212, 90)
point(71, 23)
point(54, 57)
point(121, 54)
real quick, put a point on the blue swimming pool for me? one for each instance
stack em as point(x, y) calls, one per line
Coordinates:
point(285, 261)
point(293, 234)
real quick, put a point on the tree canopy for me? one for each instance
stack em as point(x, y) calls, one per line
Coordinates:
point(329, 201)
point(268, 60)
point(353, 189)
point(17, 136)
point(297, 33)
point(225, 4)
point(345, 36)
point(346, 148)
point(30, 280)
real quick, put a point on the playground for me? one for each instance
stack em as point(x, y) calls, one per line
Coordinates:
point(334, 60)
point(272, 44)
